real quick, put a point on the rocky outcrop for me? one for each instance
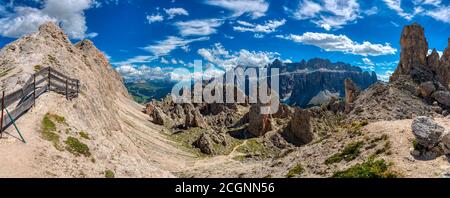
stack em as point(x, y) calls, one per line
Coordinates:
point(204, 143)
point(193, 117)
point(426, 89)
point(442, 97)
point(303, 81)
point(299, 130)
point(351, 92)
point(259, 123)
point(427, 132)
point(432, 139)
point(414, 49)
point(160, 118)
point(389, 102)
point(414, 61)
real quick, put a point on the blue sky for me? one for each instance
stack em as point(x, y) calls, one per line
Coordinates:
point(150, 38)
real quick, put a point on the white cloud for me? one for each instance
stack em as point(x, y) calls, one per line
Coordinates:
point(253, 8)
point(162, 48)
point(227, 60)
point(69, 13)
point(396, 6)
point(143, 72)
point(174, 61)
point(136, 59)
point(182, 74)
point(432, 8)
point(328, 14)
point(367, 61)
point(439, 52)
point(198, 27)
point(164, 61)
point(268, 27)
point(440, 14)
point(173, 12)
point(155, 18)
point(341, 43)
point(385, 77)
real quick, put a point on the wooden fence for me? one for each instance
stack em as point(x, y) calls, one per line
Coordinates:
point(20, 101)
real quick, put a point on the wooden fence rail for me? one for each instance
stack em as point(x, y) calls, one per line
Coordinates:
point(20, 101)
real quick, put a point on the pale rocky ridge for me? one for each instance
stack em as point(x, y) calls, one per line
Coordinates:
point(120, 137)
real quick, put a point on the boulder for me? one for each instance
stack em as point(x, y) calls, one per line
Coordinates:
point(259, 124)
point(160, 118)
point(426, 89)
point(193, 117)
point(300, 128)
point(443, 97)
point(427, 132)
point(205, 144)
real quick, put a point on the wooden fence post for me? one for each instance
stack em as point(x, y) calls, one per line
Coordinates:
point(34, 90)
point(67, 89)
point(78, 87)
point(49, 81)
point(3, 107)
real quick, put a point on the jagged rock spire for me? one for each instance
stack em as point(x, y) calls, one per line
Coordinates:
point(414, 49)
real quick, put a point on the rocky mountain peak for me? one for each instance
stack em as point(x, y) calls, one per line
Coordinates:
point(414, 49)
point(53, 30)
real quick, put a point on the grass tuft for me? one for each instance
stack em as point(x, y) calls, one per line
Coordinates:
point(349, 153)
point(109, 174)
point(49, 131)
point(84, 135)
point(297, 170)
point(368, 169)
point(74, 146)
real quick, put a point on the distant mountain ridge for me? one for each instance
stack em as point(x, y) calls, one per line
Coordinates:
point(306, 80)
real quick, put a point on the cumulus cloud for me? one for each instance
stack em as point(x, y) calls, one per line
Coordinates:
point(227, 60)
point(341, 43)
point(327, 14)
point(173, 12)
point(440, 14)
point(367, 61)
point(201, 27)
point(396, 6)
point(268, 27)
point(254, 8)
point(68, 13)
point(162, 48)
point(142, 72)
point(155, 18)
point(385, 76)
point(432, 8)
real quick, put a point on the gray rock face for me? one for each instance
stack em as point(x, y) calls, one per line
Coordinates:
point(301, 82)
point(427, 132)
point(443, 97)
